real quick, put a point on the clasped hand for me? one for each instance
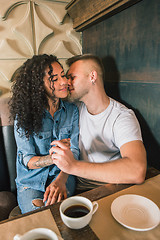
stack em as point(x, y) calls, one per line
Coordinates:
point(62, 156)
point(57, 191)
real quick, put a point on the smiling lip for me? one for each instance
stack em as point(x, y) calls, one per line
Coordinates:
point(63, 89)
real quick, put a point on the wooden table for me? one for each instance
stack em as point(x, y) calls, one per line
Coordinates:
point(93, 195)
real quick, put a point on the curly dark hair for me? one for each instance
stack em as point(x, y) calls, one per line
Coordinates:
point(29, 97)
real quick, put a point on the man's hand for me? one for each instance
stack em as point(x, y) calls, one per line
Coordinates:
point(62, 156)
point(56, 191)
point(66, 141)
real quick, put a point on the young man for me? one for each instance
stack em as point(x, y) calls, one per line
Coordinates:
point(111, 144)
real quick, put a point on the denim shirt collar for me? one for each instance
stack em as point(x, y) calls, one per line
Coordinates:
point(61, 106)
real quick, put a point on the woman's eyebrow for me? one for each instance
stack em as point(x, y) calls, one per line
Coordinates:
point(57, 74)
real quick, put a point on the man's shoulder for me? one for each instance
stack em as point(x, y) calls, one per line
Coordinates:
point(119, 108)
point(119, 112)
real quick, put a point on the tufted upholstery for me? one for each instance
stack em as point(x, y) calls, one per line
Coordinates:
point(7, 161)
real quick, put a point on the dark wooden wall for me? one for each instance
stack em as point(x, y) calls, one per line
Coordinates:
point(129, 43)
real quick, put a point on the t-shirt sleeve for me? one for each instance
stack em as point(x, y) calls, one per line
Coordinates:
point(126, 128)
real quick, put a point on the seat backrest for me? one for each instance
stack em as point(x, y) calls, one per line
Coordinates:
point(7, 148)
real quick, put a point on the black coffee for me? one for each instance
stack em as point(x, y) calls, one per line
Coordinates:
point(76, 211)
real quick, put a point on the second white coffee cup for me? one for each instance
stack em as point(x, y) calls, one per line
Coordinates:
point(76, 212)
point(37, 233)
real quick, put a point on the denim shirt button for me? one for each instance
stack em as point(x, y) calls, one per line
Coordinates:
point(56, 121)
point(40, 137)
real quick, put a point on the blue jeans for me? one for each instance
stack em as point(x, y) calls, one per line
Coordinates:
point(25, 195)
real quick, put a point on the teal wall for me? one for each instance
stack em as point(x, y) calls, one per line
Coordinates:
point(129, 43)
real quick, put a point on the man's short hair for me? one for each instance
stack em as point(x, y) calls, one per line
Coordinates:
point(85, 57)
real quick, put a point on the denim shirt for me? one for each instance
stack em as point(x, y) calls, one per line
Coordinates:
point(65, 124)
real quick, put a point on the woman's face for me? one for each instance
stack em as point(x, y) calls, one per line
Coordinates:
point(58, 84)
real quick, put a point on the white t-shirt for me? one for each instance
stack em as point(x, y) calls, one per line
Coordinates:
point(102, 135)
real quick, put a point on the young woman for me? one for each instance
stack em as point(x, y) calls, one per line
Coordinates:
point(41, 117)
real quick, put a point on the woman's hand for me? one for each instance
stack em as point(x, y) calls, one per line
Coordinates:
point(56, 191)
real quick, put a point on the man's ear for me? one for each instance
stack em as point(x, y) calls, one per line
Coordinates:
point(93, 76)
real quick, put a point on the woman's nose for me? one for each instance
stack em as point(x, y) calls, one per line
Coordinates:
point(63, 80)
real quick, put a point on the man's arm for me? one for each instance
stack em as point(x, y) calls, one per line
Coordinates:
point(131, 168)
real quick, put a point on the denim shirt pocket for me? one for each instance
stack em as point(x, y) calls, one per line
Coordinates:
point(43, 141)
point(65, 132)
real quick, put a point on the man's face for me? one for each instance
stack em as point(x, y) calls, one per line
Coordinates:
point(78, 81)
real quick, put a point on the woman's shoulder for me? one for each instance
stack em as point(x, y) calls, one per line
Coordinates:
point(70, 105)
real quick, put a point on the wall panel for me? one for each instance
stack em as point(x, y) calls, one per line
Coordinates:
point(29, 27)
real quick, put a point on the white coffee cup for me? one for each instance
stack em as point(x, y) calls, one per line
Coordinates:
point(77, 222)
point(37, 233)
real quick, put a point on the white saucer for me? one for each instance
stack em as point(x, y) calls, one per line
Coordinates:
point(135, 212)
